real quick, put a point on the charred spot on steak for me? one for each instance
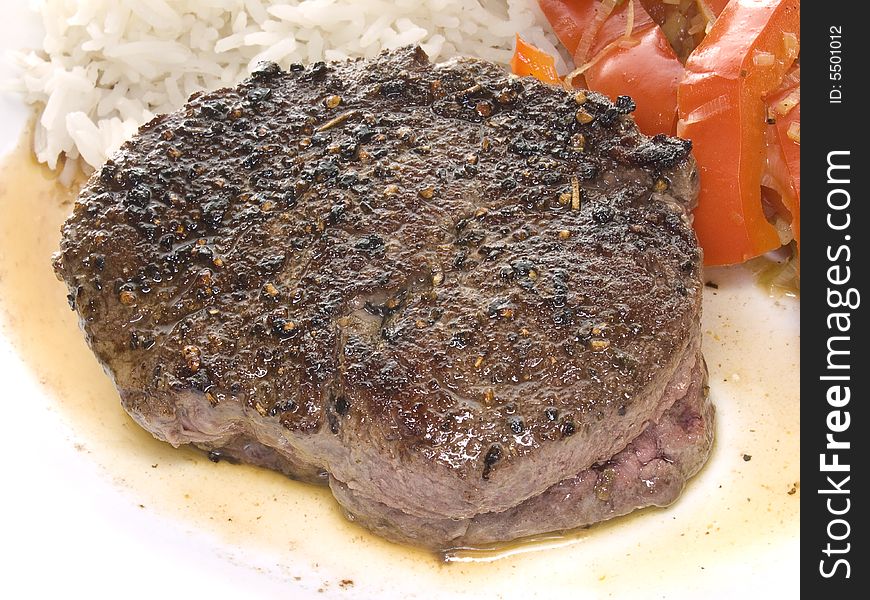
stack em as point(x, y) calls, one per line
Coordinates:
point(468, 301)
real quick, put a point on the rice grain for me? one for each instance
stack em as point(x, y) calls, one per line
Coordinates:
point(108, 66)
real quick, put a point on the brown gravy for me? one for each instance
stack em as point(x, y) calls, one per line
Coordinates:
point(739, 511)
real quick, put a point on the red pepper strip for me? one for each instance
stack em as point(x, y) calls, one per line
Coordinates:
point(529, 60)
point(785, 152)
point(647, 69)
point(649, 72)
point(786, 201)
point(791, 148)
point(570, 20)
point(722, 110)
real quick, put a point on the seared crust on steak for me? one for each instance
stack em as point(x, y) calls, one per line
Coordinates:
point(651, 471)
point(444, 288)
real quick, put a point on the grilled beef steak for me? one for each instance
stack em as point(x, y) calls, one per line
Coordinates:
point(468, 302)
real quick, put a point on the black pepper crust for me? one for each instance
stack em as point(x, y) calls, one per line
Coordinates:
point(438, 267)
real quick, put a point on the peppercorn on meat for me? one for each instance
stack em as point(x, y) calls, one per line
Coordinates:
point(466, 301)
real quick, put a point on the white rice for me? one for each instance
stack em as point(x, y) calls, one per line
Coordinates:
point(108, 66)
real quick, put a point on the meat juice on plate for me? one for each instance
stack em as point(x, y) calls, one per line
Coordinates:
point(740, 512)
point(529, 353)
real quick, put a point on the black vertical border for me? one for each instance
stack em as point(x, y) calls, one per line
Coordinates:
point(829, 127)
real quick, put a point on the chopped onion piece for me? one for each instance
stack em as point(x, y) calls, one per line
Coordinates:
point(708, 14)
point(784, 106)
point(617, 43)
point(783, 230)
point(790, 42)
point(708, 109)
point(698, 24)
point(792, 78)
point(763, 59)
point(778, 273)
point(602, 11)
point(629, 22)
point(794, 132)
point(627, 43)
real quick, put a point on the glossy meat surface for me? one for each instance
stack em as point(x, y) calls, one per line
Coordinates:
point(445, 287)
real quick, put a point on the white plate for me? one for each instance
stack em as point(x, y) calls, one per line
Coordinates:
point(84, 513)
